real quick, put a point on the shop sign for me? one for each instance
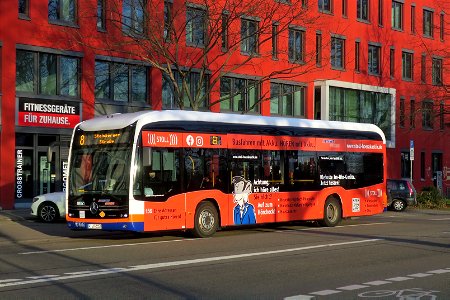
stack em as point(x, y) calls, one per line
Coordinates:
point(19, 174)
point(48, 113)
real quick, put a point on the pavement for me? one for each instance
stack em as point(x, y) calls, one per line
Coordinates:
point(19, 214)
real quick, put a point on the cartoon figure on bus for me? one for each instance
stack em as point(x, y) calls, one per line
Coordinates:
point(244, 212)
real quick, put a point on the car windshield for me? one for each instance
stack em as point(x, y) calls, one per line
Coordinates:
point(100, 170)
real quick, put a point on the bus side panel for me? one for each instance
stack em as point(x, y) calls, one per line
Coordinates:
point(167, 215)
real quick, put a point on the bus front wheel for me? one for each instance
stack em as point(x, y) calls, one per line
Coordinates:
point(206, 220)
point(332, 214)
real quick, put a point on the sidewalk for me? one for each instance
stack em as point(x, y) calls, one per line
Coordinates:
point(19, 214)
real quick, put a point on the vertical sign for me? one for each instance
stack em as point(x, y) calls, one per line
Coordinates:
point(411, 157)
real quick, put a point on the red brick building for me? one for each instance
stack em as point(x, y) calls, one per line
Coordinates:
point(369, 61)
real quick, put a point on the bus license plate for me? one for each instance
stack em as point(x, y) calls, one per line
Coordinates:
point(94, 226)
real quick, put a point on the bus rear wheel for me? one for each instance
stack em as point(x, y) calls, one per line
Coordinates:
point(206, 220)
point(332, 214)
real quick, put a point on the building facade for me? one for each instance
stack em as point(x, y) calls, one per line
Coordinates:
point(366, 61)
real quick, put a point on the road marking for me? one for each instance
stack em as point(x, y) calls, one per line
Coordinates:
point(180, 240)
point(9, 280)
point(352, 287)
point(325, 292)
point(441, 219)
point(300, 297)
point(440, 271)
point(102, 247)
point(377, 282)
point(420, 275)
point(398, 279)
point(99, 272)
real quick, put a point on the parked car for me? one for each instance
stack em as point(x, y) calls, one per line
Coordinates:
point(49, 207)
point(401, 193)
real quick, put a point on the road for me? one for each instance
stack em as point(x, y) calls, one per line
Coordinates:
point(389, 256)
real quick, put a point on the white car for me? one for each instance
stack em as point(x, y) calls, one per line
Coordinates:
point(49, 207)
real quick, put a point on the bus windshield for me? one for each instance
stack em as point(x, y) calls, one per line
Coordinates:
point(100, 170)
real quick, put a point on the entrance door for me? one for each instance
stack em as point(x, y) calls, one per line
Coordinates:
point(46, 174)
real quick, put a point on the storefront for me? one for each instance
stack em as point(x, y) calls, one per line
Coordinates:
point(42, 126)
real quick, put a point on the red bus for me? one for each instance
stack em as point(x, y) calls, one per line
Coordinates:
point(200, 171)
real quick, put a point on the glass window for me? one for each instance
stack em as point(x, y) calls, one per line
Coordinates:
point(423, 68)
point(402, 112)
point(47, 74)
point(412, 113)
point(296, 45)
point(407, 66)
point(413, 19)
point(138, 84)
point(374, 60)
point(239, 94)
point(318, 49)
point(337, 52)
point(380, 12)
point(120, 82)
point(397, 15)
point(24, 8)
point(174, 97)
point(350, 105)
point(357, 56)
point(62, 10)
point(25, 72)
point(101, 17)
point(437, 71)
point(249, 37)
point(441, 26)
point(422, 165)
point(275, 40)
point(344, 8)
point(133, 17)
point(168, 19)
point(405, 165)
point(325, 6)
point(427, 115)
point(427, 23)
point(362, 10)
point(69, 76)
point(287, 100)
point(442, 116)
point(392, 62)
point(224, 30)
point(195, 26)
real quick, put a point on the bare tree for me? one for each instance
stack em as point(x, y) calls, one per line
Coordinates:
point(194, 44)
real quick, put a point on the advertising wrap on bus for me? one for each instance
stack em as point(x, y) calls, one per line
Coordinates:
point(215, 171)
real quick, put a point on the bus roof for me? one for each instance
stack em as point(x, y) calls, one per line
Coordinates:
point(118, 121)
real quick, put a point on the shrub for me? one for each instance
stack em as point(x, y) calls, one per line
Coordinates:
point(430, 197)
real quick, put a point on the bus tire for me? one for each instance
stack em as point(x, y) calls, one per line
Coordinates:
point(206, 220)
point(332, 213)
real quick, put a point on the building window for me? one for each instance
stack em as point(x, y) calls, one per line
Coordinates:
point(380, 12)
point(351, 105)
point(24, 8)
point(422, 165)
point(195, 27)
point(296, 45)
point(337, 52)
point(287, 100)
point(407, 66)
point(120, 82)
point(441, 116)
point(239, 95)
point(101, 15)
point(402, 112)
point(325, 6)
point(275, 40)
point(397, 15)
point(436, 163)
point(427, 23)
point(412, 113)
point(405, 165)
point(318, 49)
point(195, 91)
point(374, 60)
point(224, 30)
point(133, 17)
point(392, 62)
point(441, 26)
point(437, 71)
point(249, 37)
point(427, 115)
point(423, 68)
point(47, 74)
point(62, 11)
point(344, 8)
point(413, 19)
point(362, 10)
point(168, 19)
point(357, 56)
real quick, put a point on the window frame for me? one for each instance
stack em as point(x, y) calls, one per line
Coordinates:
point(282, 97)
point(24, 9)
point(363, 10)
point(437, 71)
point(196, 36)
point(427, 115)
point(136, 28)
point(325, 6)
point(337, 62)
point(249, 41)
point(296, 53)
point(60, 18)
point(407, 65)
point(249, 84)
point(397, 15)
point(428, 23)
point(374, 56)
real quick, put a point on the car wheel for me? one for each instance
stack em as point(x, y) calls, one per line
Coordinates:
point(398, 205)
point(206, 220)
point(332, 214)
point(48, 212)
